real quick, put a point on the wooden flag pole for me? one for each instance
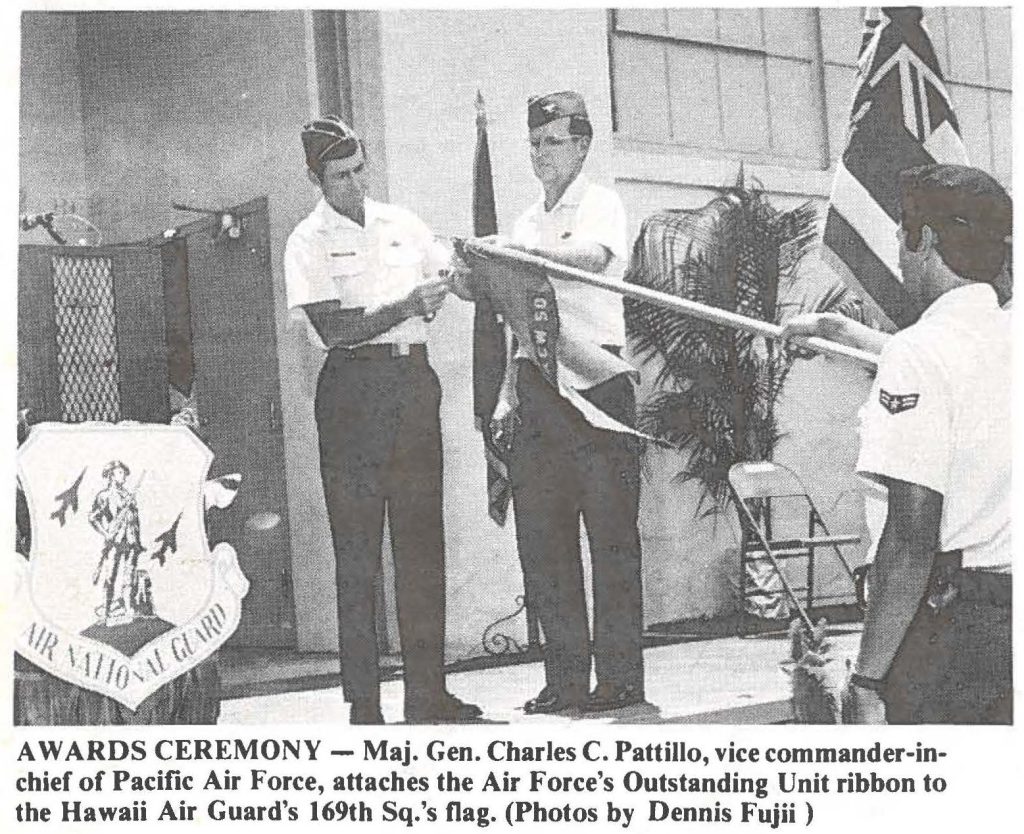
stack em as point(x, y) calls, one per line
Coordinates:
point(706, 312)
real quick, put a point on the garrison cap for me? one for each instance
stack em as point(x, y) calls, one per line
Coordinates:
point(956, 195)
point(546, 108)
point(970, 212)
point(328, 138)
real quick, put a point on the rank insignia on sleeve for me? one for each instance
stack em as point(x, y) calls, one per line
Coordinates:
point(895, 403)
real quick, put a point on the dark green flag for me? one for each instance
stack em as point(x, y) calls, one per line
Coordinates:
point(488, 334)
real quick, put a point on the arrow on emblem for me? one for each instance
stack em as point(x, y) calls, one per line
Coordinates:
point(168, 542)
point(67, 500)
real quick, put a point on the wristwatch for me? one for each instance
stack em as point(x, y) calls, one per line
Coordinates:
point(874, 684)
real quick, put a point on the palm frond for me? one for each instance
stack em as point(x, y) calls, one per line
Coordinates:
point(716, 387)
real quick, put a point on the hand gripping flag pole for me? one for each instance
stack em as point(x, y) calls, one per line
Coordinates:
point(706, 312)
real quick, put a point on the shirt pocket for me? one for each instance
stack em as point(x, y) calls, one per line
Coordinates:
point(345, 262)
point(402, 268)
point(559, 229)
point(399, 255)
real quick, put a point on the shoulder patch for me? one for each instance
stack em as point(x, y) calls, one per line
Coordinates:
point(895, 403)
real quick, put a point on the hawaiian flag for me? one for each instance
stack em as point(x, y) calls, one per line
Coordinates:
point(901, 117)
point(488, 333)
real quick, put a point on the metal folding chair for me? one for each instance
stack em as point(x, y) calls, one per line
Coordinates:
point(779, 523)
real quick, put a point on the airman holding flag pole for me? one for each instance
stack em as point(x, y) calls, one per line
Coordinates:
point(936, 436)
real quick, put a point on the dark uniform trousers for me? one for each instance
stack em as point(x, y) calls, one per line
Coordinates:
point(380, 443)
point(955, 663)
point(562, 467)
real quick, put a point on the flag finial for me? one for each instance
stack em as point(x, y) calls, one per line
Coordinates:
point(481, 112)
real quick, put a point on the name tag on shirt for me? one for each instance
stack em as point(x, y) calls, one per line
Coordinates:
point(346, 262)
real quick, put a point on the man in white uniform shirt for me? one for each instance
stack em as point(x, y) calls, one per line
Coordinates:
point(369, 276)
point(560, 466)
point(936, 436)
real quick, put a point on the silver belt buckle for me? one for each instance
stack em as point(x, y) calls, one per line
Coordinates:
point(399, 349)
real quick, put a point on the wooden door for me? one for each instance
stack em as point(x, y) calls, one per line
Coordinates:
point(237, 391)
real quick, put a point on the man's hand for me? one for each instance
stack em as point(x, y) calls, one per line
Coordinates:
point(798, 329)
point(505, 418)
point(503, 241)
point(460, 277)
point(835, 328)
point(498, 240)
point(426, 298)
point(866, 706)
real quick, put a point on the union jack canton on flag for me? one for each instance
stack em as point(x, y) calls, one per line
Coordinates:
point(901, 117)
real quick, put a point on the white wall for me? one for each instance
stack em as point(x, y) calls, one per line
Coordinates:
point(433, 64)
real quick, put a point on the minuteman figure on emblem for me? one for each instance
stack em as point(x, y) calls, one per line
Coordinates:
point(123, 593)
point(115, 516)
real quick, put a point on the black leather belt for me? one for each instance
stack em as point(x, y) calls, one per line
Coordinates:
point(984, 587)
point(384, 351)
point(950, 581)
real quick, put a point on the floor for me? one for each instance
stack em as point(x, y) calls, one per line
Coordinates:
point(729, 680)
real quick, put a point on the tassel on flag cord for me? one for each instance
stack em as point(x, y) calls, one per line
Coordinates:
point(488, 333)
point(901, 117)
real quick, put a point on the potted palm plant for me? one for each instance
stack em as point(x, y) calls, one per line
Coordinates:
point(715, 390)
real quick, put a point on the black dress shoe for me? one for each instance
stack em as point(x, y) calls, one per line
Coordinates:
point(446, 709)
point(551, 701)
point(365, 712)
point(607, 696)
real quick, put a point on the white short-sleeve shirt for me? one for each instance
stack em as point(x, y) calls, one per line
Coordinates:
point(939, 416)
point(586, 213)
point(329, 257)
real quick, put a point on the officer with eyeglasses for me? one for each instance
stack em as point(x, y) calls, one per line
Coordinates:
point(561, 467)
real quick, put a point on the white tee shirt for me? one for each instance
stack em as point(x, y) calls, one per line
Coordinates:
point(939, 416)
point(329, 257)
point(586, 213)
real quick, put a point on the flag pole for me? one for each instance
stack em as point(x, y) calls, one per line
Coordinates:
point(705, 312)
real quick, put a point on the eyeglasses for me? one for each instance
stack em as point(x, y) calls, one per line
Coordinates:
point(552, 142)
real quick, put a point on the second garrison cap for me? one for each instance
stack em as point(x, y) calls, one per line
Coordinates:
point(328, 138)
point(956, 195)
point(546, 108)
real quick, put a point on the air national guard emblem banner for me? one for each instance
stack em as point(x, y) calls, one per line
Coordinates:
point(901, 117)
point(122, 593)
